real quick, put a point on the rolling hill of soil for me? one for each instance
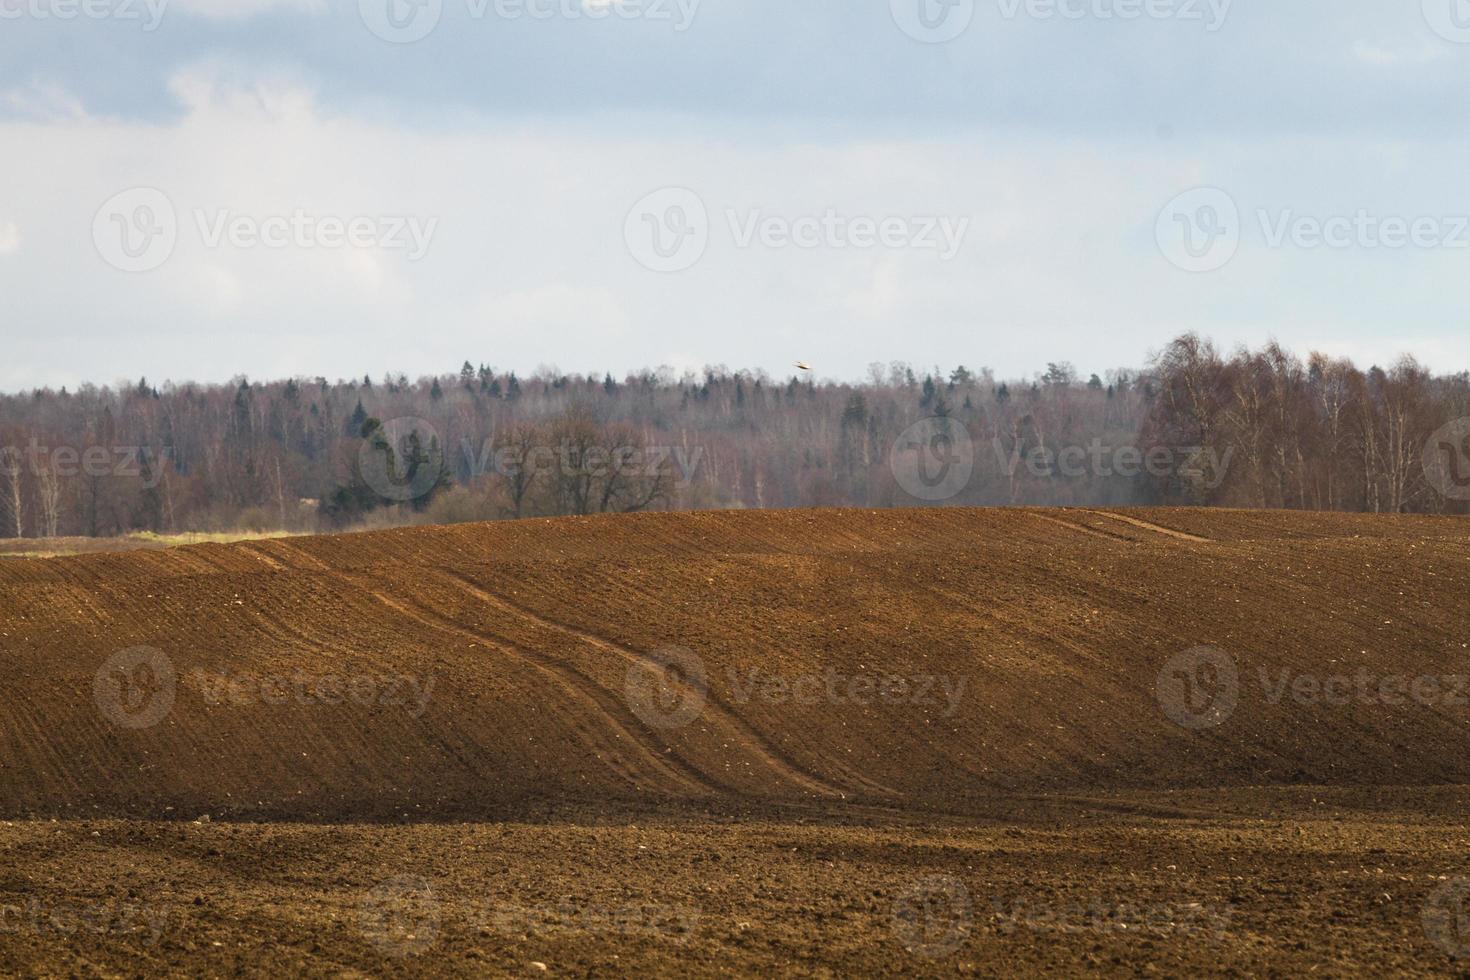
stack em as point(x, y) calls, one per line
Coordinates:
point(926, 659)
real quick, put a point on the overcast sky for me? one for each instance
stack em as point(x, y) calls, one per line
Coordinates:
point(202, 188)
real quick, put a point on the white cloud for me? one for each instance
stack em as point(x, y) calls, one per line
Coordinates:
point(1437, 352)
point(220, 90)
point(43, 102)
point(556, 306)
point(529, 262)
point(1375, 54)
point(242, 9)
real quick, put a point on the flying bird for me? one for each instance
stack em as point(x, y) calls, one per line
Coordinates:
point(803, 365)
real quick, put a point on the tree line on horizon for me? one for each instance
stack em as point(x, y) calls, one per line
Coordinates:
point(1253, 428)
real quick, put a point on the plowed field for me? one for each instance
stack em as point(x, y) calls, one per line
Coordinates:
point(923, 741)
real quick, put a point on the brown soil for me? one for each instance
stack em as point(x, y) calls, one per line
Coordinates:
point(1239, 883)
point(817, 721)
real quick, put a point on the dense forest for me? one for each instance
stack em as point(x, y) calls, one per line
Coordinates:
point(1249, 429)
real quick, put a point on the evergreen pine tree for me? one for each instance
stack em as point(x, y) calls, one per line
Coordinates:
point(357, 424)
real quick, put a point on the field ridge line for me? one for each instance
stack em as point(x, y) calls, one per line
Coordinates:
point(1083, 529)
point(1156, 528)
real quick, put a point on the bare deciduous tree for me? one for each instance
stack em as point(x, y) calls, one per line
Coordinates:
point(12, 503)
point(1319, 433)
